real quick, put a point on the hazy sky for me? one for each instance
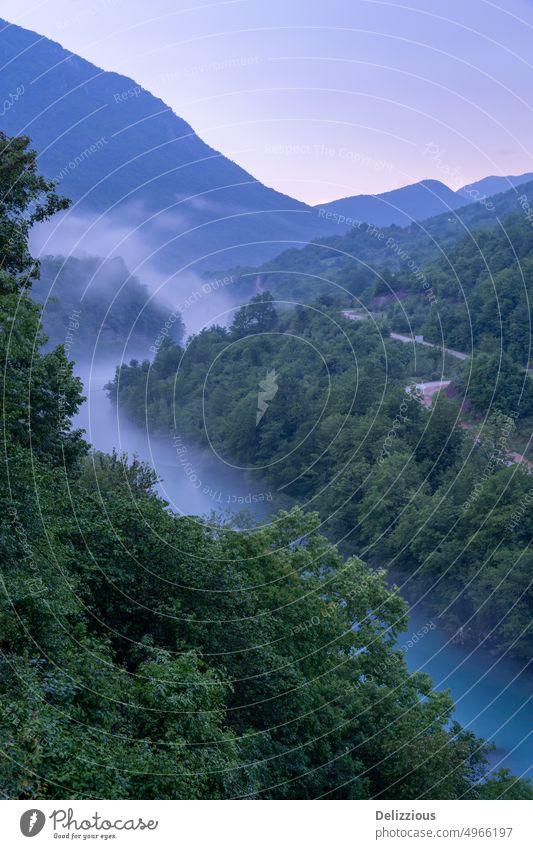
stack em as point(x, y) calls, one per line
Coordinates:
point(327, 98)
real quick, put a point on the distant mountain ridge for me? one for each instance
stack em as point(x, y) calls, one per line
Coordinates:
point(342, 265)
point(493, 185)
point(399, 206)
point(117, 149)
point(418, 201)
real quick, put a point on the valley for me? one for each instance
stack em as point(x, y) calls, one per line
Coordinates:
point(267, 410)
point(484, 687)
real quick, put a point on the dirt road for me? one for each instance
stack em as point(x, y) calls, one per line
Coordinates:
point(428, 390)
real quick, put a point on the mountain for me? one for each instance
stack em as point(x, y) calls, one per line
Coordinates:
point(145, 185)
point(492, 186)
point(484, 290)
point(415, 202)
point(115, 148)
point(400, 206)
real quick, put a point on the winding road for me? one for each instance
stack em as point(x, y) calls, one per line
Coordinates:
point(429, 389)
point(354, 315)
point(401, 338)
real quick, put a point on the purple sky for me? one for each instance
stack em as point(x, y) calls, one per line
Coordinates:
point(324, 98)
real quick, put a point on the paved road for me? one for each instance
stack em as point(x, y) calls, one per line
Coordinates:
point(429, 389)
point(401, 338)
point(356, 315)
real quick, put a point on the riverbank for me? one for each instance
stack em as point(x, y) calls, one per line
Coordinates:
point(493, 694)
point(191, 479)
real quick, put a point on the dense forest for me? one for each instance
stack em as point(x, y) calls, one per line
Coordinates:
point(484, 289)
point(461, 280)
point(353, 264)
point(406, 488)
point(146, 655)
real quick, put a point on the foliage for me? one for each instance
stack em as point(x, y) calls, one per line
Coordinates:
point(405, 486)
point(25, 198)
point(483, 289)
point(100, 308)
point(369, 260)
point(146, 655)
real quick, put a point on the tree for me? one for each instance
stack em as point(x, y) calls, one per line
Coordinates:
point(25, 198)
point(147, 655)
point(505, 785)
point(258, 316)
point(440, 441)
point(494, 381)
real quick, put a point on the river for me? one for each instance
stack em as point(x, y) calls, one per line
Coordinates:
point(493, 697)
point(192, 480)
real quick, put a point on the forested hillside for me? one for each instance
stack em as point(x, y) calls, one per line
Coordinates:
point(346, 265)
point(482, 295)
point(484, 286)
point(150, 656)
point(99, 309)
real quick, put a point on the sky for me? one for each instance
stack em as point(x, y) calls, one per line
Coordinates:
point(322, 99)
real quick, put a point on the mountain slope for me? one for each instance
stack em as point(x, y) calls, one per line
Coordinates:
point(114, 146)
point(98, 309)
point(344, 265)
point(416, 202)
point(493, 185)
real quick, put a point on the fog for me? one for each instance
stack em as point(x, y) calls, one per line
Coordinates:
point(195, 482)
point(151, 250)
point(192, 481)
